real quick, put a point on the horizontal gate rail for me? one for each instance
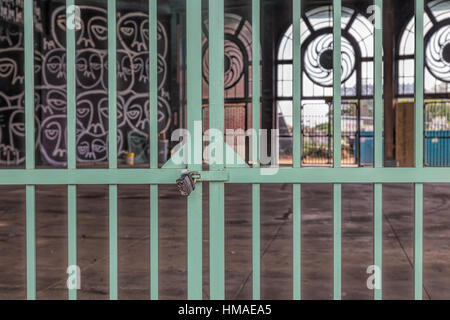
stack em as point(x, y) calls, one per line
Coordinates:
point(229, 175)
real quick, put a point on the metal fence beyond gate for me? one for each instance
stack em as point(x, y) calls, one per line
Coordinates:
point(218, 175)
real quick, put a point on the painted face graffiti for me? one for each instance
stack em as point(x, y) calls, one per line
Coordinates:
point(12, 134)
point(10, 36)
point(11, 71)
point(53, 139)
point(125, 75)
point(132, 30)
point(54, 73)
point(89, 66)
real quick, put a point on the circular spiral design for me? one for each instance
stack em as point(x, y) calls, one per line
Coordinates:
point(319, 60)
point(234, 64)
point(438, 54)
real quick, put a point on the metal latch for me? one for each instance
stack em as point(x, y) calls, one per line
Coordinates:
point(186, 183)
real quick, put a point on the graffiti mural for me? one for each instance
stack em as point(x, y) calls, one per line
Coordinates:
point(91, 86)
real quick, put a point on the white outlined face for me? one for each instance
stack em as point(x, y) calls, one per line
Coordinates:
point(12, 74)
point(10, 36)
point(89, 67)
point(132, 31)
point(54, 70)
point(12, 133)
point(53, 139)
point(125, 75)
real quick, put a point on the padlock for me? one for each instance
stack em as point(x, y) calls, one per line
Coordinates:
point(186, 184)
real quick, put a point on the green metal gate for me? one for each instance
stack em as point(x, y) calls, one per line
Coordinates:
point(218, 175)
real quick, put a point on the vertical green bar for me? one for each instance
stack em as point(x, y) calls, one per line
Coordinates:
point(71, 138)
point(31, 242)
point(256, 237)
point(112, 145)
point(71, 84)
point(113, 254)
point(378, 144)
point(194, 126)
point(153, 112)
point(154, 242)
point(297, 84)
point(378, 238)
point(216, 122)
point(112, 85)
point(72, 232)
point(256, 112)
point(418, 240)
point(29, 84)
point(217, 241)
point(418, 147)
point(337, 83)
point(153, 95)
point(296, 18)
point(296, 208)
point(29, 146)
point(378, 85)
point(337, 193)
point(337, 144)
point(256, 78)
point(419, 81)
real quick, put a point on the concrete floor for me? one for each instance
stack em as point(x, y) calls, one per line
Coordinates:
point(276, 242)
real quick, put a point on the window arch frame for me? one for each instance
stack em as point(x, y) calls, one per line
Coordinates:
point(431, 25)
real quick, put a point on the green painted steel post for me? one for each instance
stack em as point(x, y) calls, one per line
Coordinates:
point(113, 254)
point(337, 99)
point(29, 148)
point(194, 126)
point(256, 120)
point(418, 147)
point(418, 240)
point(216, 125)
point(71, 139)
point(337, 205)
point(112, 149)
point(153, 112)
point(337, 5)
point(378, 238)
point(72, 233)
point(378, 145)
point(296, 209)
point(296, 189)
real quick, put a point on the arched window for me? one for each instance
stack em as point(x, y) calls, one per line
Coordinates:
point(437, 52)
point(317, 82)
point(237, 77)
point(436, 78)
